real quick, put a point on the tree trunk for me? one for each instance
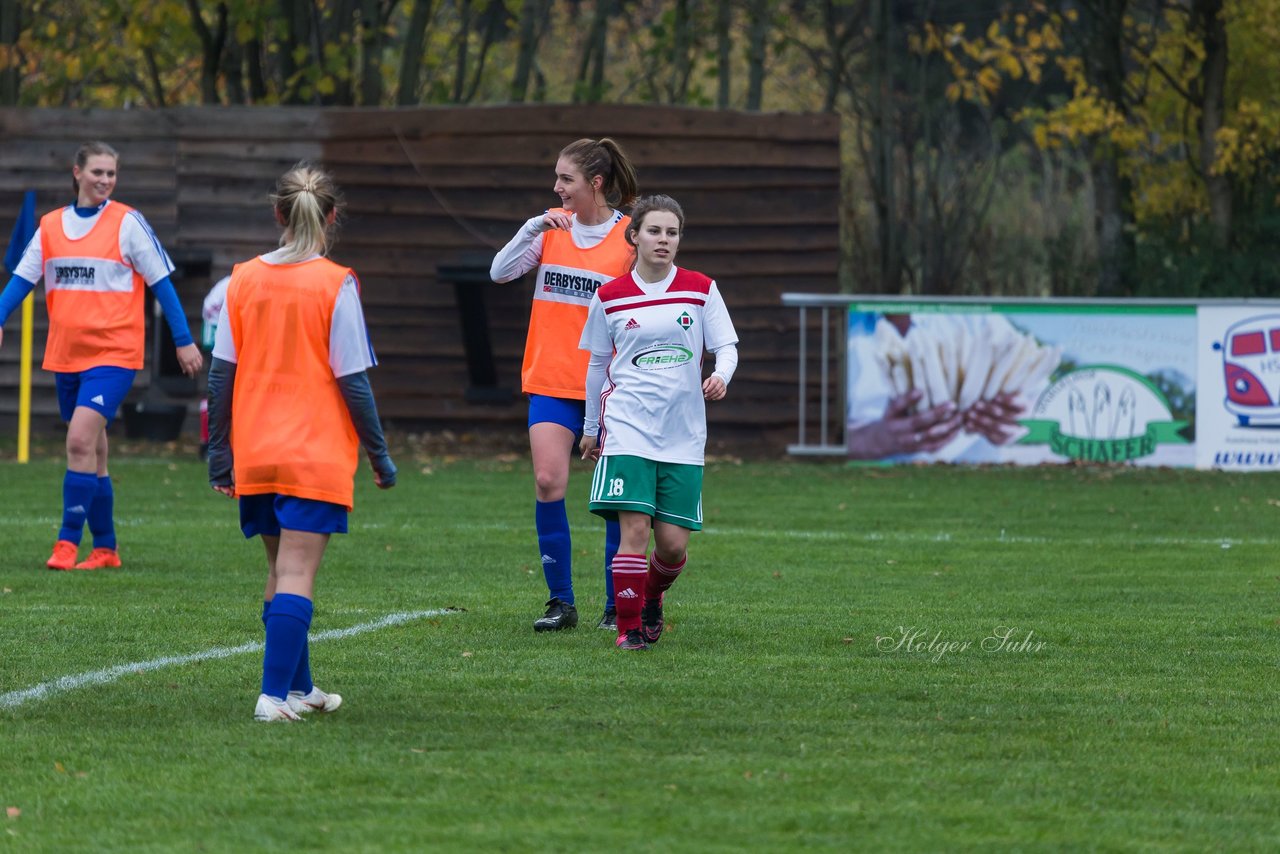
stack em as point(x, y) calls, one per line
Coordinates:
point(682, 48)
point(884, 141)
point(532, 22)
point(460, 58)
point(1113, 200)
point(211, 45)
point(340, 22)
point(724, 52)
point(1111, 204)
point(411, 59)
point(757, 50)
point(154, 82)
point(370, 53)
point(589, 87)
point(1206, 16)
point(493, 19)
point(295, 41)
point(233, 71)
point(9, 30)
point(258, 89)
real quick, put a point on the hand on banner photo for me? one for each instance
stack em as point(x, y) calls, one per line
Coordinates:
point(996, 419)
point(902, 430)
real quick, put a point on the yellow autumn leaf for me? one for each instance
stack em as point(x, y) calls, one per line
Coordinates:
point(325, 85)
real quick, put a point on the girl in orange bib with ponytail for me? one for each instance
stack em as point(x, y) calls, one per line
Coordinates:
point(574, 248)
point(289, 407)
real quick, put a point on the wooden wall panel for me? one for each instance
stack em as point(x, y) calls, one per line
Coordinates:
point(438, 186)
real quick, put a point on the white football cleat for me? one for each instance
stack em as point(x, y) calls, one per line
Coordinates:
point(316, 701)
point(269, 711)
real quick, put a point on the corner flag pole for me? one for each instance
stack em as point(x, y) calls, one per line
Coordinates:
point(23, 230)
point(24, 379)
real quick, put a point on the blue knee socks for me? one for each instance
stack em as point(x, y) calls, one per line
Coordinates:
point(102, 515)
point(288, 619)
point(556, 548)
point(78, 489)
point(302, 675)
point(612, 537)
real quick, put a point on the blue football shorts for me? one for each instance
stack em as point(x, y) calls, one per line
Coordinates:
point(264, 515)
point(557, 410)
point(101, 389)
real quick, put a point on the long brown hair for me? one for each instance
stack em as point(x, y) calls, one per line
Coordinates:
point(605, 158)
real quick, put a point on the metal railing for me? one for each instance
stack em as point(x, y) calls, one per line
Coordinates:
point(830, 364)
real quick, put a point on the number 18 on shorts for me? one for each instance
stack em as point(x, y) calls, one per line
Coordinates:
point(668, 492)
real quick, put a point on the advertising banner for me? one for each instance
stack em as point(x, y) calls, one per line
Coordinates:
point(1238, 408)
point(1023, 382)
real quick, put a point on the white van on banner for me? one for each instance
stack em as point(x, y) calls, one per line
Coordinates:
point(1238, 409)
point(1026, 382)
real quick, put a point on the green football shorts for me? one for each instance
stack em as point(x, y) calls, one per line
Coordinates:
point(668, 492)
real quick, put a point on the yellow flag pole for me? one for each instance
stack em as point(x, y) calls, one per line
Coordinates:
point(24, 380)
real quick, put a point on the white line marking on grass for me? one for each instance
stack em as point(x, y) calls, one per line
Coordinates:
point(13, 699)
point(1121, 537)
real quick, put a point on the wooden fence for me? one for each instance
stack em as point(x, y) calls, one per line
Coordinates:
point(433, 188)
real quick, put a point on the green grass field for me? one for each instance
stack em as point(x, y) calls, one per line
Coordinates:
point(831, 677)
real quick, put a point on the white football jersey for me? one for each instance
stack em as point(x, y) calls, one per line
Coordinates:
point(651, 405)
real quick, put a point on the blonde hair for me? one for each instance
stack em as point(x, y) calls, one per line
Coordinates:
point(605, 158)
point(307, 202)
point(87, 150)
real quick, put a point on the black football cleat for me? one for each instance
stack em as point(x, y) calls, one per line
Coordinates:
point(560, 615)
point(651, 620)
point(609, 621)
point(632, 641)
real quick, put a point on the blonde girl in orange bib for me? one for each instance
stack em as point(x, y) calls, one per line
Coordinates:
point(289, 407)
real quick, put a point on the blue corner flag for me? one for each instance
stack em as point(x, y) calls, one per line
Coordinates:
point(23, 230)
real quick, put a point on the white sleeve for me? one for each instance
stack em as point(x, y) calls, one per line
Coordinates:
point(141, 249)
point(597, 366)
point(521, 255)
point(595, 332)
point(224, 346)
point(595, 338)
point(726, 362)
point(718, 327)
point(350, 350)
point(31, 267)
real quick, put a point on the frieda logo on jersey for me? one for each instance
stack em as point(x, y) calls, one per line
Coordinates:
point(71, 275)
point(1102, 413)
point(661, 357)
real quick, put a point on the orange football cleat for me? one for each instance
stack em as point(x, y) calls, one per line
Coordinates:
point(100, 559)
point(64, 555)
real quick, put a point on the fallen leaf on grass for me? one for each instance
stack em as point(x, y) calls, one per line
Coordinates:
point(12, 812)
point(847, 640)
point(468, 654)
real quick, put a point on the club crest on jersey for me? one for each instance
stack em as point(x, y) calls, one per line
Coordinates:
point(684, 320)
